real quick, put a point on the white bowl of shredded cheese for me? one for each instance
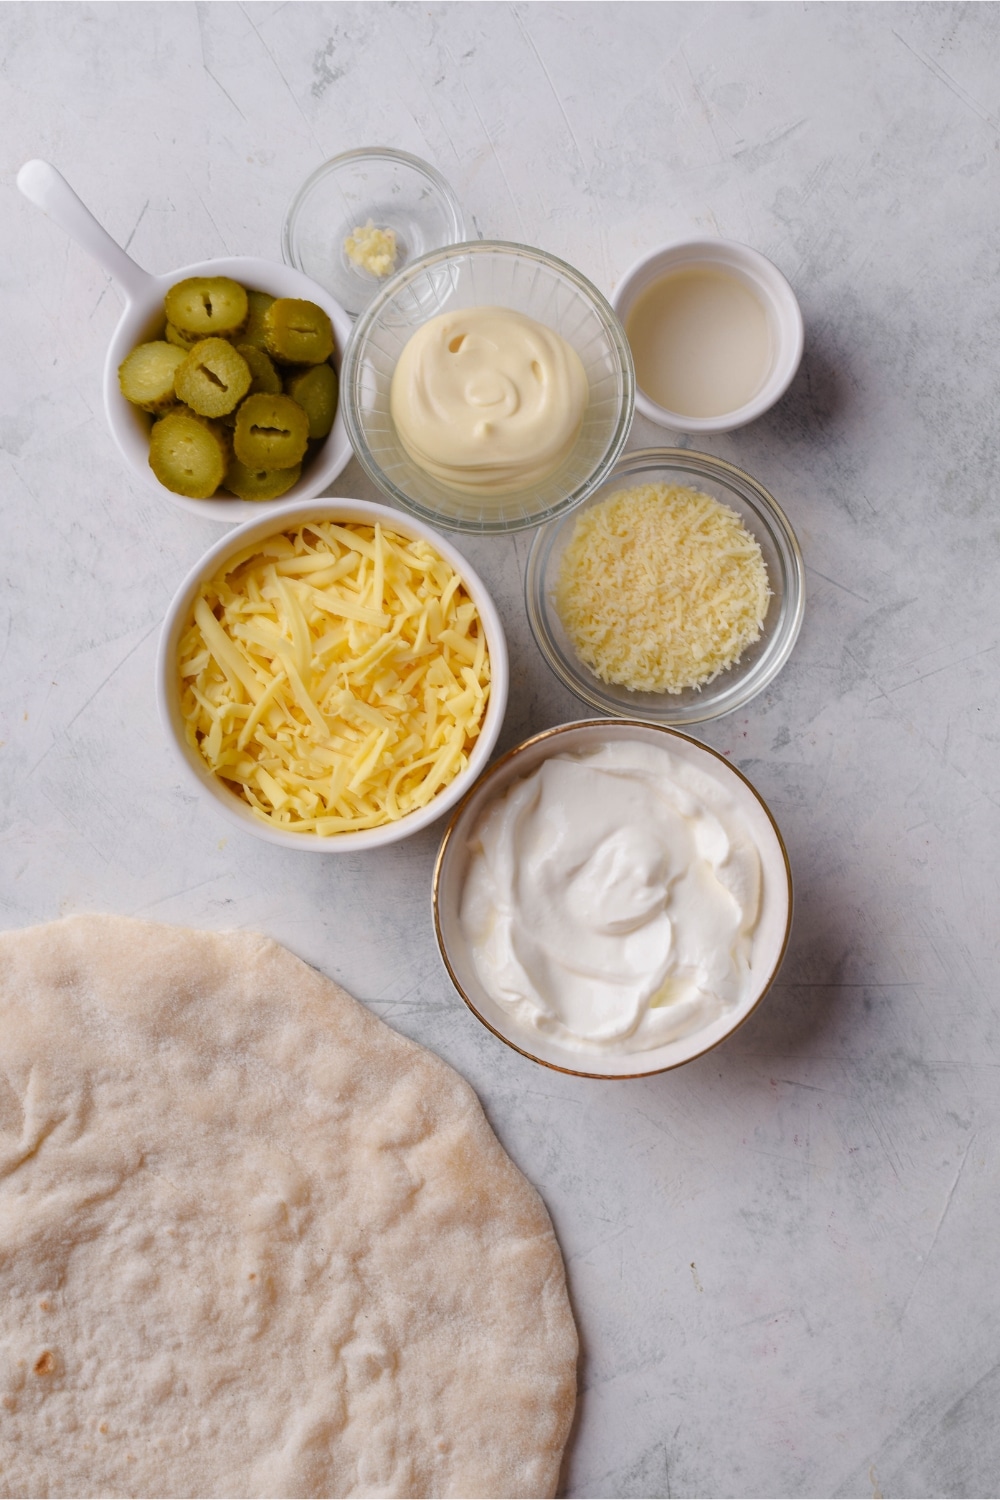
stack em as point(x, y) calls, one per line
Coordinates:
point(333, 676)
point(674, 593)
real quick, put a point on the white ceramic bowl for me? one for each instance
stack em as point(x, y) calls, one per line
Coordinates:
point(762, 277)
point(143, 318)
point(228, 803)
point(770, 938)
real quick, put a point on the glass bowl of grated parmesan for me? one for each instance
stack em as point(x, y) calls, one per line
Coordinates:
point(333, 677)
point(674, 594)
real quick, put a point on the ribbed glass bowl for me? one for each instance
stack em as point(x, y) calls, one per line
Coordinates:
point(488, 273)
point(759, 664)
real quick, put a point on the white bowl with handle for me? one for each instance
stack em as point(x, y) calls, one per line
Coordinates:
point(143, 318)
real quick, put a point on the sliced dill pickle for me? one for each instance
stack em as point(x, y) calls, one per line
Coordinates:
point(260, 484)
point(297, 332)
point(188, 455)
point(182, 340)
point(265, 376)
point(205, 305)
point(253, 333)
point(213, 378)
point(146, 376)
point(315, 390)
point(271, 432)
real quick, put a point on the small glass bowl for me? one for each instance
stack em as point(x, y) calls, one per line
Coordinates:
point(391, 188)
point(758, 665)
point(488, 273)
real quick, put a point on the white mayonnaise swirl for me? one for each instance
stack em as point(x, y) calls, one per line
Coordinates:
point(487, 400)
point(611, 899)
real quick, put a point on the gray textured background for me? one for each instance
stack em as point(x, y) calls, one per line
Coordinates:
point(782, 1258)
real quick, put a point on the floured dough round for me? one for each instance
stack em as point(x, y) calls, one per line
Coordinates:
point(253, 1242)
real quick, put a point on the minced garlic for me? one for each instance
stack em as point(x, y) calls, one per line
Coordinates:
point(372, 249)
point(335, 676)
point(661, 588)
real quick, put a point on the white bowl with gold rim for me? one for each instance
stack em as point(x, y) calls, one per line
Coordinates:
point(227, 802)
point(770, 937)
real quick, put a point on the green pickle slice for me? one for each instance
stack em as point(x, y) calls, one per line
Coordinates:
point(297, 332)
point(188, 455)
point(146, 376)
point(182, 340)
point(253, 333)
point(271, 432)
point(265, 376)
point(260, 484)
point(244, 426)
point(316, 392)
point(213, 378)
point(202, 306)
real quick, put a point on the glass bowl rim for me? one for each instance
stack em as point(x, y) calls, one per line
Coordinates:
point(778, 646)
point(365, 153)
point(610, 321)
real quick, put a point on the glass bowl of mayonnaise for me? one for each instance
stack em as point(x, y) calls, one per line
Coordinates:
point(488, 387)
point(612, 899)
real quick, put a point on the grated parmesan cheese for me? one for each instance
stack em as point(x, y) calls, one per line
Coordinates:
point(661, 588)
point(335, 676)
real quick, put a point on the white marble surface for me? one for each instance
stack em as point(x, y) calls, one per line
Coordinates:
point(783, 1258)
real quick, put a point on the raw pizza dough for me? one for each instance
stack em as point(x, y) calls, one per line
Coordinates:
point(253, 1242)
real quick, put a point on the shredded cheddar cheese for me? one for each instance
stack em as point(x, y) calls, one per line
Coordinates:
point(661, 588)
point(335, 676)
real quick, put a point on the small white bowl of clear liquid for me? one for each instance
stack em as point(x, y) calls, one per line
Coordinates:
point(715, 331)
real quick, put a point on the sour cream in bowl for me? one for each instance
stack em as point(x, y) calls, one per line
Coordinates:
point(612, 899)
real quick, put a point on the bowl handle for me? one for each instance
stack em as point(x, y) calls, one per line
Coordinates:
point(48, 190)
